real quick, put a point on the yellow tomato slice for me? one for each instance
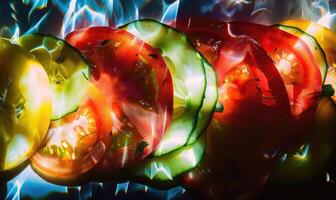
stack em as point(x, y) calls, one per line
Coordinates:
point(25, 105)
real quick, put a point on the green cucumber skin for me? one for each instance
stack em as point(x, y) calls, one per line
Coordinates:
point(68, 100)
point(185, 64)
point(313, 45)
point(209, 104)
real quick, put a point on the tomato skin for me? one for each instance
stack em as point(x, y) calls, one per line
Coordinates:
point(76, 142)
point(138, 86)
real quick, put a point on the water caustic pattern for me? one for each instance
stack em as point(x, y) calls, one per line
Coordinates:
point(138, 88)
point(25, 104)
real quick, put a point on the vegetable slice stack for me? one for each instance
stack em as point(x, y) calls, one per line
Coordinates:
point(308, 163)
point(144, 99)
point(300, 73)
point(191, 72)
point(186, 67)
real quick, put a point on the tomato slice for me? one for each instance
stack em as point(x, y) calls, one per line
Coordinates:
point(76, 142)
point(327, 39)
point(138, 87)
point(292, 57)
point(25, 105)
point(294, 61)
point(244, 139)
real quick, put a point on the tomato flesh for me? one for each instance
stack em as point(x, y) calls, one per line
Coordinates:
point(138, 87)
point(76, 142)
point(294, 61)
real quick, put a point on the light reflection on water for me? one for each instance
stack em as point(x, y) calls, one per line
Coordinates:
point(28, 185)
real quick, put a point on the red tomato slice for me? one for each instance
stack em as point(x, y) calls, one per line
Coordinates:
point(293, 60)
point(138, 87)
point(291, 56)
point(251, 130)
point(244, 139)
point(213, 39)
point(76, 142)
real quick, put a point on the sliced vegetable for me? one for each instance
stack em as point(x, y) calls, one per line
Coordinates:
point(76, 142)
point(186, 66)
point(292, 58)
point(67, 71)
point(139, 90)
point(209, 103)
point(308, 163)
point(246, 137)
point(243, 139)
point(327, 39)
point(25, 105)
point(312, 44)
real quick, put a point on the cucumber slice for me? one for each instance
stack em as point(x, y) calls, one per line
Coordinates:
point(67, 71)
point(209, 103)
point(313, 45)
point(186, 67)
point(167, 167)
